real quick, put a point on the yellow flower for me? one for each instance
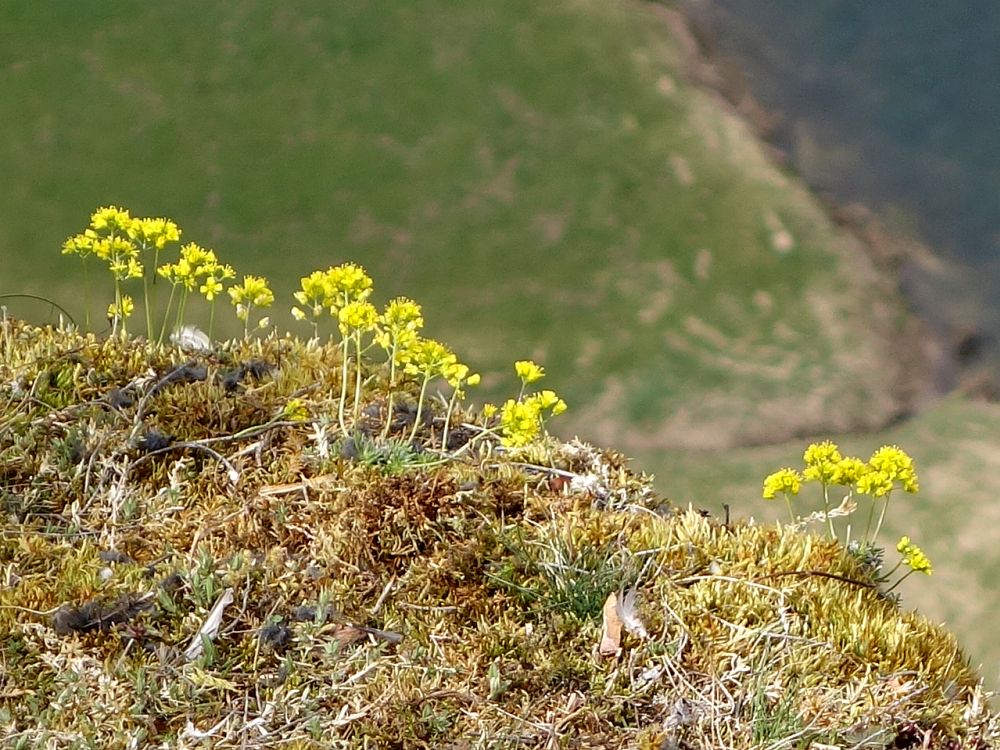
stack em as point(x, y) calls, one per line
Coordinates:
point(894, 465)
point(519, 423)
point(315, 293)
point(125, 268)
point(821, 461)
point(489, 410)
point(123, 310)
point(211, 287)
point(528, 371)
point(253, 292)
point(154, 233)
point(522, 422)
point(875, 483)
point(111, 219)
point(399, 324)
point(357, 316)
point(914, 556)
point(549, 401)
point(346, 283)
point(80, 244)
point(457, 373)
point(295, 410)
point(786, 481)
point(427, 357)
point(849, 471)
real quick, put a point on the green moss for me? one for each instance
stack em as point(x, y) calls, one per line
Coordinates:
point(406, 603)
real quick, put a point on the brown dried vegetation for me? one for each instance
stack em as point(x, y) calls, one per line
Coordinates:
point(399, 596)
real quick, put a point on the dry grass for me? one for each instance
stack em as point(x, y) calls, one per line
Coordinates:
point(393, 595)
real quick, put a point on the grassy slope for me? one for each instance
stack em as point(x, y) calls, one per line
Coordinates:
point(540, 169)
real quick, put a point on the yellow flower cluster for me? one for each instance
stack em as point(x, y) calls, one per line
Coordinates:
point(914, 556)
point(154, 233)
point(111, 219)
point(887, 466)
point(123, 309)
point(456, 374)
point(331, 290)
point(877, 477)
point(253, 292)
point(197, 263)
point(427, 358)
point(522, 421)
point(358, 317)
point(399, 325)
point(117, 250)
point(113, 235)
point(528, 371)
point(117, 238)
point(822, 461)
point(784, 481)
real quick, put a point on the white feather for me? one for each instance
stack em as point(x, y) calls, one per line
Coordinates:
point(629, 615)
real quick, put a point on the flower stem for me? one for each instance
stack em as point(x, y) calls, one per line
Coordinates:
point(392, 385)
point(881, 516)
point(901, 579)
point(343, 388)
point(826, 509)
point(447, 418)
point(420, 407)
point(871, 516)
point(166, 314)
point(357, 379)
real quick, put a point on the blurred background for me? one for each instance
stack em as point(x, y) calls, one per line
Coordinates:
point(725, 228)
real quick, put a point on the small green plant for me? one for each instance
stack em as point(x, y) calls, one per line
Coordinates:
point(341, 293)
point(391, 457)
point(198, 269)
point(522, 421)
point(913, 557)
point(398, 330)
point(253, 292)
point(889, 468)
point(117, 238)
point(773, 717)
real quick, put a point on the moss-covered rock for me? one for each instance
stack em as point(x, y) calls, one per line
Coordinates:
point(188, 562)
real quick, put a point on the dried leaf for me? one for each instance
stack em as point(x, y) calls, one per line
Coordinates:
point(611, 636)
point(348, 634)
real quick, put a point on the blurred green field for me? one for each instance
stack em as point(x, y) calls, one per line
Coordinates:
point(543, 177)
point(539, 175)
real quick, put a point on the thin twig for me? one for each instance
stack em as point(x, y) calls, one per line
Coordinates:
point(821, 573)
